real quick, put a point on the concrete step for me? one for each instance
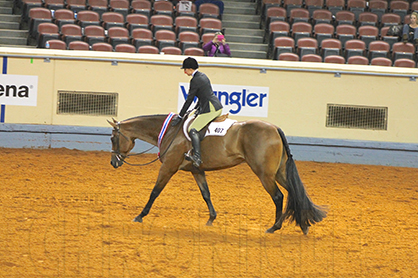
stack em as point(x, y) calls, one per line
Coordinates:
point(5, 10)
point(10, 18)
point(14, 33)
point(9, 25)
point(249, 54)
point(248, 46)
point(8, 4)
point(247, 32)
point(241, 24)
point(240, 17)
point(239, 10)
point(17, 45)
point(244, 39)
point(13, 41)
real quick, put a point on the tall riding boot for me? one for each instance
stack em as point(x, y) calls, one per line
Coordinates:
point(195, 157)
point(416, 42)
point(405, 38)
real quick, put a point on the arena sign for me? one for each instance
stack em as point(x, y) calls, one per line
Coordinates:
point(237, 100)
point(18, 89)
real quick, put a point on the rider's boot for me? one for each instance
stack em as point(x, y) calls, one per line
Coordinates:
point(195, 157)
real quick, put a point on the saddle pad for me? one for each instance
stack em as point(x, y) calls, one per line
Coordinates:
point(214, 128)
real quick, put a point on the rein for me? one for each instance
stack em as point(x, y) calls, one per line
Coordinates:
point(120, 158)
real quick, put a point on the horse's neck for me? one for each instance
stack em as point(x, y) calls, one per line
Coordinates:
point(145, 128)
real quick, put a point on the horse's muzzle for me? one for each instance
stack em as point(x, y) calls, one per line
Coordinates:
point(116, 161)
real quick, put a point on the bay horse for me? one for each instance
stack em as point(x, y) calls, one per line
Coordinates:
point(263, 146)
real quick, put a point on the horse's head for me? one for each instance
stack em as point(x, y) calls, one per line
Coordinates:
point(122, 144)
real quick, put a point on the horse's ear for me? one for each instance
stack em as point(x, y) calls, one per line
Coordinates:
point(114, 120)
point(112, 123)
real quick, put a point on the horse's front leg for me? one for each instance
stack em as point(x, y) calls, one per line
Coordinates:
point(164, 176)
point(200, 178)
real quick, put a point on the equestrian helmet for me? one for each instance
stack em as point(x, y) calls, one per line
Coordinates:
point(190, 63)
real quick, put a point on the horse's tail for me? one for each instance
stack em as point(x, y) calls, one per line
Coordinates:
point(299, 208)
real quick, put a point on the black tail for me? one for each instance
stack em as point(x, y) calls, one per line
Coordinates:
point(299, 208)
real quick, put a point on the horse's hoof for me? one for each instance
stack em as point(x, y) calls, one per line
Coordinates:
point(137, 219)
point(209, 223)
point(305, 230)
point(271, 230)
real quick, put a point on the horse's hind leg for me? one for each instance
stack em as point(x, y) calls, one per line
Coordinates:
point(277, 197)
point(200, 178)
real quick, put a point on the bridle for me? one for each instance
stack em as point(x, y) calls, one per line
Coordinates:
point(121, 157)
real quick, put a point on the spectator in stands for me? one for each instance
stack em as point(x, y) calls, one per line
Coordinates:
point(217, 46)
point(410, 31)
point(219, 3)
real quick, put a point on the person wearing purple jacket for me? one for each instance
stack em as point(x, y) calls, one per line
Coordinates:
point(217, 46)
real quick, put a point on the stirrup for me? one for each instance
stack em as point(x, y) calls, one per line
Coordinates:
point(189, 157)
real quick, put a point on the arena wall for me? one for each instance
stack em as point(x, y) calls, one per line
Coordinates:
point(299, 98)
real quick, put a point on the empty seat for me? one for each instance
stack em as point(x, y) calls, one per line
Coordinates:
point(102, 46)
point(163, 7)
point(311, 58)
point(134, 21)
point(399, 7)
point(57, 44)
point(274, 14)
point(27, 6)
point(210, 25)
point(389, 19)
point(368, 18)
point(205, 38)
point(208, 10)
point(71, 32)
point(307, 46)
point(414, 6)
point(356, 7)
point(194, 51)
point(403, 50)
point(160, 21)
point(288, 57)
point(171, 50)
point(299, 15)
point(381, 61)
point(141, 37)
point(46, 31)
point(124, 47)
point(112, 19)
point(354, 48)
point(283, 45)
point(54, 4)
point(405, 63)
point(321, 16)
point(334, 6)
point(99, 6)
point(368, 34)
point(118, 35)
point(289, 5)
point(164, 38)
point(141, 7)
point(278, 29)
point(86, 18)
point(378, 49)
point(63, 16)
point(345, 17)
point(148, 49)
point(267, 4)
point(38, 16)
point(358, 60)
point(378, 7)
point(346, 32)
point(188, 39)
point(330, 47)
point(185, 23)
point(335, 59)
point(323, 31)
point(78, 45)
point(76, 5)
point(301, 30)
point(120, 6)
point(94, 34)
point(313, 5)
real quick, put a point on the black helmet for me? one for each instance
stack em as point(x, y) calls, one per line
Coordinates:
point(190, 63)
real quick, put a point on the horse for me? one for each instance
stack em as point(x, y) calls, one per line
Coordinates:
point(263, 146)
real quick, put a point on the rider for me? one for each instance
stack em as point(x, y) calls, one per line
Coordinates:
point(208, 106)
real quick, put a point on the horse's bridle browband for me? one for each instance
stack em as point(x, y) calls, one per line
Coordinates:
point(120, 157)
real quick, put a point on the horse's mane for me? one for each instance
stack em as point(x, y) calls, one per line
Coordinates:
point(142, 117)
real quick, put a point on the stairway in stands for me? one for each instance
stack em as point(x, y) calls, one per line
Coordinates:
point(10, 34)
point(242, 29)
